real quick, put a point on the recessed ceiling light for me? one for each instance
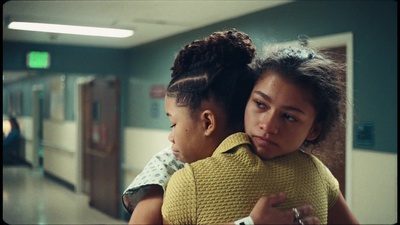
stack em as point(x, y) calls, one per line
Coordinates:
point(71, 29)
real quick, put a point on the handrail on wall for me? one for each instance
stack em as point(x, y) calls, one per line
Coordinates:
point(56, 147)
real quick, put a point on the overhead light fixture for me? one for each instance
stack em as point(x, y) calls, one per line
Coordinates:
point(71, 29)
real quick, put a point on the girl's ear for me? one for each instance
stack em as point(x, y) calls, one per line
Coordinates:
point(209, 122)
point(314, 132)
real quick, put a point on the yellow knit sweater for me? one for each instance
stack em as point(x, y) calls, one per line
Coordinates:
point(225, 187)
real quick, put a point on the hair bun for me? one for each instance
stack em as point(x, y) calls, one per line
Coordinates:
point(230, 48)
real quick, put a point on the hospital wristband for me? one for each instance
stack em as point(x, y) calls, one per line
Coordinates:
point(244, 221)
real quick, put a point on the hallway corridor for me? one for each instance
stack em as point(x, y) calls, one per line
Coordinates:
point(31, 198)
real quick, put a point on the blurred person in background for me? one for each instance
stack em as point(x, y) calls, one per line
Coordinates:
point(11, 141)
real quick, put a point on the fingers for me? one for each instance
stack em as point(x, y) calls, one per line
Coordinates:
point(309, 220)
point(304, 211)
point(275, 200)
point(302, 215)
point(271, 200)
point(264, 211)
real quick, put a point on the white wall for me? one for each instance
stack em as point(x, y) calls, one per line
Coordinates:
point(140, 145)
point(60, 149)
point(374, 187)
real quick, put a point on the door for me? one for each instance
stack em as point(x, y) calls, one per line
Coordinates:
point(332, 151)
point(101, 140)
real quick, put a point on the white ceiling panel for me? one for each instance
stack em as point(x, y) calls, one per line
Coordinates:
point(151, 20)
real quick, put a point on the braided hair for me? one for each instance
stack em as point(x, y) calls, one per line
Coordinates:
point(217, 68)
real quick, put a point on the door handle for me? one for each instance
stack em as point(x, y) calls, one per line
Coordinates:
point(97, 153)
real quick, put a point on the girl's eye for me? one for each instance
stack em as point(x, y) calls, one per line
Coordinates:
point(259, 104)
point(289, 117)
point(172, 126)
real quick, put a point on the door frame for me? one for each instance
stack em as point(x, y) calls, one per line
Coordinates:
point(332, 41)
point(80, 184)
point(37, 118)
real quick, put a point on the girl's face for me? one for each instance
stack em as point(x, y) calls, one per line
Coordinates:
point(279, 116)
point(187, 134)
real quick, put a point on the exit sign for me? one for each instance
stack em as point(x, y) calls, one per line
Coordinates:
point(38, 60)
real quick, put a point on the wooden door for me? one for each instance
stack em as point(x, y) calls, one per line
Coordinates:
point(86, 133)
point(333, 150)
point(101, 144)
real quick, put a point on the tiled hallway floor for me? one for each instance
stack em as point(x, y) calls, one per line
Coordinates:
point(31, 198)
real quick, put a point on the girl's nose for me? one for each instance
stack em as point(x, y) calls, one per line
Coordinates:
point(170, 137)
point(270, 123)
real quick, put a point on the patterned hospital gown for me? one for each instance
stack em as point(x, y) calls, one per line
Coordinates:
point(157, 171)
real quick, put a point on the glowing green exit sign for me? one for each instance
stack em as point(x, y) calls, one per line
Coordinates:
point(38, 60)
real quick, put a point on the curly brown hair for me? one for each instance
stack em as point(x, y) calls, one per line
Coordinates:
point(314, 71)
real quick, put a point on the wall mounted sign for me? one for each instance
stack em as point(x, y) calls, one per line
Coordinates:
point(365, 134)
point(157, 91)
point(38, 60)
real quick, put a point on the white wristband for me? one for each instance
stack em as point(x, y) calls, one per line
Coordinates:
point(244, 221)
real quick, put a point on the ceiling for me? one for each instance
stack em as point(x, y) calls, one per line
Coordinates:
point(151, 20)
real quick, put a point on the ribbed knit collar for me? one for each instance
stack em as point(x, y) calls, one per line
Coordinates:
point(231, 142)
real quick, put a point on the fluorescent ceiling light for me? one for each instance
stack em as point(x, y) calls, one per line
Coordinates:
point(70, 29)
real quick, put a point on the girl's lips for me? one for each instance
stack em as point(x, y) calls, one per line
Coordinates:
point(263, 142)
point(176, 153)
